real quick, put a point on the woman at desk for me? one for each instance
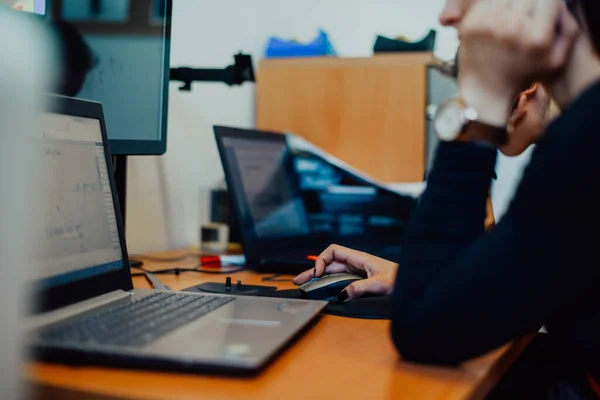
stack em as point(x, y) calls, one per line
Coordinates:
point(459, 291)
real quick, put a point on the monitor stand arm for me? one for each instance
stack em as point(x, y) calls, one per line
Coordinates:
point(236, 74)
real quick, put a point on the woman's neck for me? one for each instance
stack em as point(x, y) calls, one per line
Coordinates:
point(581, 72)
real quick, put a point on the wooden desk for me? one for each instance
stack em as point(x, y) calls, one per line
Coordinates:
point(339, 358)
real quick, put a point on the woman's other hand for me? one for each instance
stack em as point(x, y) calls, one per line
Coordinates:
point(525, 41)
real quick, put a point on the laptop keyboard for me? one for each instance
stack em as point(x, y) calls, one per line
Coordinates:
point(134, 323)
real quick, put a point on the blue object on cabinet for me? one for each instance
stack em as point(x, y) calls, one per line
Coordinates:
point(320, 46)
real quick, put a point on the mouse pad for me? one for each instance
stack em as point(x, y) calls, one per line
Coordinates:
point(366, 308)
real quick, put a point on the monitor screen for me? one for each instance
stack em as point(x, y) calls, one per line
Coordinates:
point(263, 171)
point(117, 53)
point(80, 237)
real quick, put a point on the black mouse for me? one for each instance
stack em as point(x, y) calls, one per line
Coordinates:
point(327, 287)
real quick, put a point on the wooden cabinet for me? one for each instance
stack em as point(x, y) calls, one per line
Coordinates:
point(369, 112)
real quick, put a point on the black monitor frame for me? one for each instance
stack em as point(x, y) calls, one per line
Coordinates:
point(59, 296)
point(136, 147)
point(254, 246)
point(153, 147)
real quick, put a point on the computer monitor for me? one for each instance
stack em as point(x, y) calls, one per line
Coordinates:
point(270, 202)
point(126, 68)
point(79, 233)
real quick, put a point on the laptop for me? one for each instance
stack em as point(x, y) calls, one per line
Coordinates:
point(87, 310)
point(276, 230)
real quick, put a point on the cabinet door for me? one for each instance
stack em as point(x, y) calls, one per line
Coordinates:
point(367, 112)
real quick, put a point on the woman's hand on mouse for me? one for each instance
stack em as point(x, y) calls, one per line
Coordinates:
point(380, 274)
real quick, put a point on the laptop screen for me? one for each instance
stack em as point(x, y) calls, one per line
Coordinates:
point(80, 236)
point(262, 169)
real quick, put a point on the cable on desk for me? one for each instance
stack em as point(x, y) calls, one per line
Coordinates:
point(155, 282)
point(166, 259)
point(178, 270)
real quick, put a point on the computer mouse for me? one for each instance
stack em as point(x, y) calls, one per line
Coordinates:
point(327, 287)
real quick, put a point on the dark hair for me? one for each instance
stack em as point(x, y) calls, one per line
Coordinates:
point(591, 12)
point(76, 58)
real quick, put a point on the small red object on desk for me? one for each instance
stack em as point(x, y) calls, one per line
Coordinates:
point(210, 261)
point(219, 261)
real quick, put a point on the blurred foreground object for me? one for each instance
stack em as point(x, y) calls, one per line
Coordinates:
point(25, 70)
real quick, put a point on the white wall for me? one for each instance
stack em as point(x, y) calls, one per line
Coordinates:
point(164, 193)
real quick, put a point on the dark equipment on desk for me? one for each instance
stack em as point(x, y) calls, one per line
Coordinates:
point(85, 278)
point(221, 211)
point(368, 307)
point(236, 74)
point(285, 221)
point(227, 288)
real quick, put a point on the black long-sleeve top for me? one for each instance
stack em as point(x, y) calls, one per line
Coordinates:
point(461, 291)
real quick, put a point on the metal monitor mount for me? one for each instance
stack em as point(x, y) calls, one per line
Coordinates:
point(241, 71)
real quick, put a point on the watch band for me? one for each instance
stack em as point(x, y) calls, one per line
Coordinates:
point(477, 131)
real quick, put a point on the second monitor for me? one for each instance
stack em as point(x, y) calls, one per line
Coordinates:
point(286, 219)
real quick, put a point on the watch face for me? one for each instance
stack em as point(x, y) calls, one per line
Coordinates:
point(449, 120)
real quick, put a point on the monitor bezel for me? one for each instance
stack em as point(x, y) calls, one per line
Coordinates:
point(152, 147)
point(47, 299)
point(147, 147)
point(254, 246)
